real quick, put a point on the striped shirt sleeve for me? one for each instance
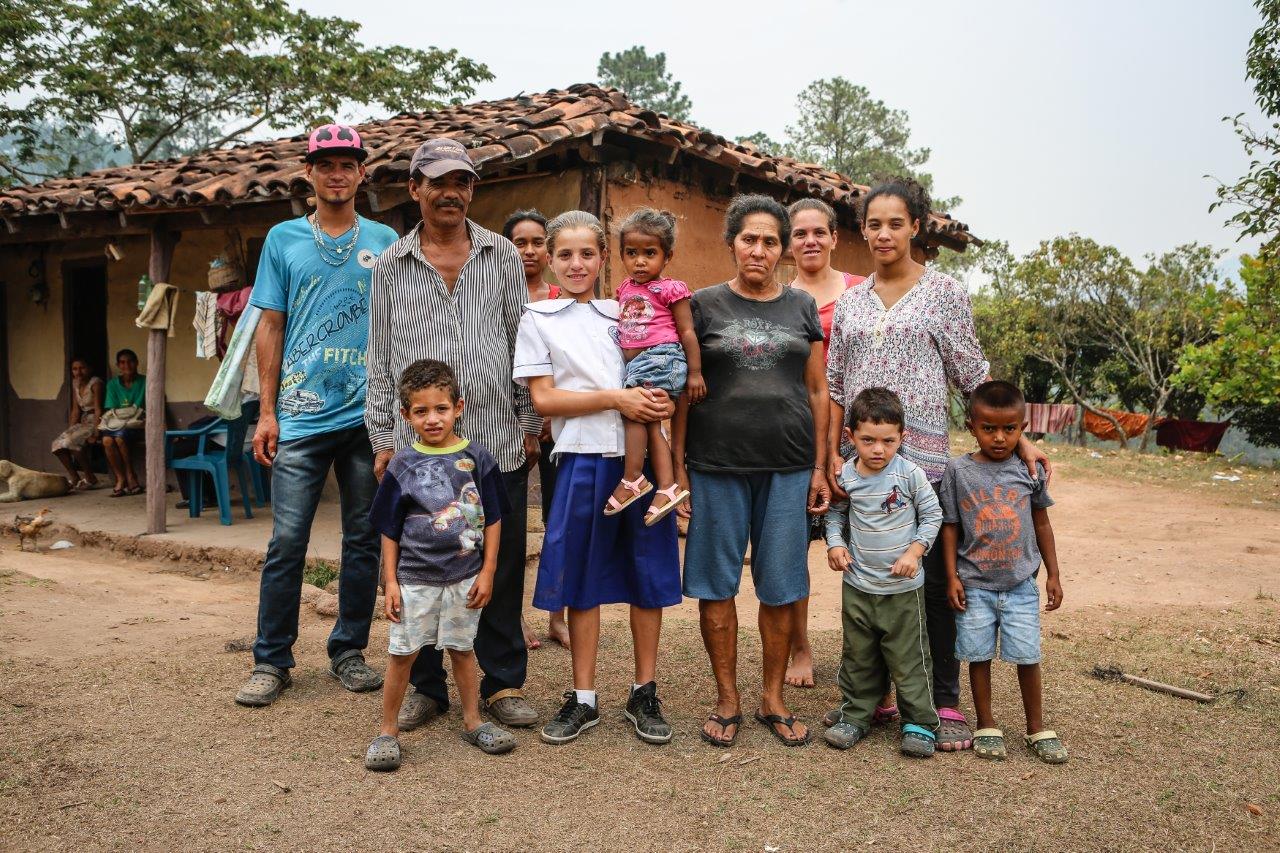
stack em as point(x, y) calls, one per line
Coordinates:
point(379, 406)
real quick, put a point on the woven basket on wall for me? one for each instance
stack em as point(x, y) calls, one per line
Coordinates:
point(225, 275)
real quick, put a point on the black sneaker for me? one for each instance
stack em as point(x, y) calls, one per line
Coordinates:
point(644, 710)
point(572, 719)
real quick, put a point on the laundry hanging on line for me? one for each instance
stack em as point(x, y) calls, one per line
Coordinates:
point(1132, 423)
point(1050, 417)
point(1196, 436)
point(206, 324)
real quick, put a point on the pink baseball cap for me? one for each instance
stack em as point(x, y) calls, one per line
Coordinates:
point(334, 139)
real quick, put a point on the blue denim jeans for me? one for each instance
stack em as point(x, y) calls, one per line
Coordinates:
point(297, 478)
point(1013, 616)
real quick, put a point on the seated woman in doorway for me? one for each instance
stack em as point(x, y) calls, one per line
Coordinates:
point(72, 446)
point(122, 421)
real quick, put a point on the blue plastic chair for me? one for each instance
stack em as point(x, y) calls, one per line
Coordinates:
point(260, 473)
point(215, 461)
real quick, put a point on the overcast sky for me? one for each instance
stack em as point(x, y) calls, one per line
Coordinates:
point(1045, 117)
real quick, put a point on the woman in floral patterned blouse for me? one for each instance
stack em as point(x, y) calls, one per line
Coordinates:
point(910, 329)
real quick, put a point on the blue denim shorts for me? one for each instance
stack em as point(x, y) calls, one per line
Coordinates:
point(662, 366)
point(729, 510)
point(1013, 616)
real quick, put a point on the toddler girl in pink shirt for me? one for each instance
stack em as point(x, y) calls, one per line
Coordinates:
point(655, 331)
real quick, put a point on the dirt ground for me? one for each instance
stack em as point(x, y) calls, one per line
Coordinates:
point(117, 728)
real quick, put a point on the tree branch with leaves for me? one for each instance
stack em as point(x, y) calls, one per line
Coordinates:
point(169, 77)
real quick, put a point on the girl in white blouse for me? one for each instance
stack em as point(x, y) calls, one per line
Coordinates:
point(567, 353)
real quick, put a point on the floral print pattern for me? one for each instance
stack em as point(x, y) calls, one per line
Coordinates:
point(916, 348)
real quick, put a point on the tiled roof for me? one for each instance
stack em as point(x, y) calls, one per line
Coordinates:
point(498, 133)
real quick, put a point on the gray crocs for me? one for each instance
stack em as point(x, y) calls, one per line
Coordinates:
point(843, 735)
point(490, 738)
point(264, 686)
point(354, 674)
point(416, 710)
point(383, 754)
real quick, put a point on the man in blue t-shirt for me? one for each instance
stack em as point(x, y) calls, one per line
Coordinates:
point(313, 289)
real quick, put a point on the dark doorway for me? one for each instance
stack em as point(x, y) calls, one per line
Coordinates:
point(84, 286)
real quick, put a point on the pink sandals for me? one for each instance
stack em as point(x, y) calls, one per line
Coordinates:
point(639, 487)
point(674, 495)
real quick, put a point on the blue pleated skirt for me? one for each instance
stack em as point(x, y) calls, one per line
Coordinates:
point(590, 559)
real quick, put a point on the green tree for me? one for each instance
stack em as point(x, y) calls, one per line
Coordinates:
point(59, 152)
point(1053, 284)
point(1147, 319)
point(645, 80)
point(1257, 194)
point(844, 128)
point(168, 76)
point(763, 142)
point(1239, 370)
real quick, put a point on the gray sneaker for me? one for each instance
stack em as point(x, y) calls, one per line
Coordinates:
point(573, 719)
point(355, 675)
point(264, 686)
point(644, 710)
point(416, 710)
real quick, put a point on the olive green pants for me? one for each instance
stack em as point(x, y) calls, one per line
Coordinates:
point(885, 637)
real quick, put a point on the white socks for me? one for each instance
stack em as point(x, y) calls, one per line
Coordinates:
point(588, 697)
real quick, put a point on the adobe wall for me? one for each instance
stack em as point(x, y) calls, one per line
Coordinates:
point(38, 375)
point(702, 258)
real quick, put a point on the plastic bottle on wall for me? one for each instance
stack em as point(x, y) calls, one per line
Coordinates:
point(144, 290)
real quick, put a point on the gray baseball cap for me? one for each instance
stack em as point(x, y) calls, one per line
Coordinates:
point(436, 157)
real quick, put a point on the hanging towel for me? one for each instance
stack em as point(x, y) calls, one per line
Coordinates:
point(1132, 423)
point(230, 308)
point(225, 392)
point(1050, 417)
point(1198, 436)
point(160, 310)
point(206, 324)
point(250, 384)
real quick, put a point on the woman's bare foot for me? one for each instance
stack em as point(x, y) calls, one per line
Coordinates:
point(558, 629)
point(800, 671)
point(531, 640)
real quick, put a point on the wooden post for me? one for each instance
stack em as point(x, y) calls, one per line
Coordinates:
point(162, 243)
point(591, 198)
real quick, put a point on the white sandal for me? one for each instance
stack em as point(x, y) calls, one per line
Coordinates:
point(639, 487)
point(655, 514)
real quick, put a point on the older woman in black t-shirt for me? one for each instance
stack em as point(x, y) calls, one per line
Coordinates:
point(753, 457)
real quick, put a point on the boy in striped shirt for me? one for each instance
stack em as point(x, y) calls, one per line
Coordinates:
point(877, 538)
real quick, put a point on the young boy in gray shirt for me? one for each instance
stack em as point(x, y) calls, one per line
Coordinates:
point(877, 538)
point(995, 535)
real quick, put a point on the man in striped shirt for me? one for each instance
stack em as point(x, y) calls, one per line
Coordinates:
point(453, 291)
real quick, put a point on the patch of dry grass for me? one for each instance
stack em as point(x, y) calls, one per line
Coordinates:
point(148, 750)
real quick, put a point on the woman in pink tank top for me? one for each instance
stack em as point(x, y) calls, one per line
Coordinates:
point(813, 238)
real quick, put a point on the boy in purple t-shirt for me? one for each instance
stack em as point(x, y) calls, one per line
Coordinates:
point(995, 534)
point(439, 509)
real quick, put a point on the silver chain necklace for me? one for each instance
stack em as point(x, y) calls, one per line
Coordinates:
point(334, 256)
